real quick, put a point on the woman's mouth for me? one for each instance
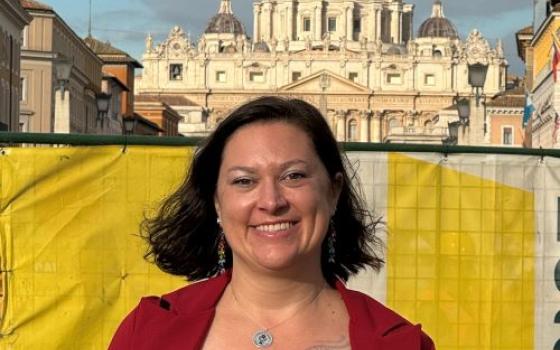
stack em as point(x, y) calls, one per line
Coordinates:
point(277, 227)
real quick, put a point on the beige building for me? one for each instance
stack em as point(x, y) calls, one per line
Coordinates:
point(537, 46)
point(53, 102)
point(358, 61)
point(13, 19)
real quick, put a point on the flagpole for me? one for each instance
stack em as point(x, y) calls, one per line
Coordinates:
point(89, 23)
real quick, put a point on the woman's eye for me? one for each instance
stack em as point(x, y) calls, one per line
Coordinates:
point(294, 176)
point(244, 182)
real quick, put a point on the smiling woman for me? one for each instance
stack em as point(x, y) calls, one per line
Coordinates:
point(268, 213)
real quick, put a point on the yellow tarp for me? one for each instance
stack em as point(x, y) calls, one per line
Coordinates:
point(71, 255)
point(461, 256)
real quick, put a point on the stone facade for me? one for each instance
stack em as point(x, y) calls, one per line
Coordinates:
point(357, 61)
point(13, 19)
point(48, 40)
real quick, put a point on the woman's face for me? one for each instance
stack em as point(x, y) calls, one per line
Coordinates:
point(274, 197)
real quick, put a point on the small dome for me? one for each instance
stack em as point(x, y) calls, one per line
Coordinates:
point(225, 21)
point(437, 26)
point(261, 46)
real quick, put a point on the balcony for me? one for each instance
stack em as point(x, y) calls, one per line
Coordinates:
point(416, 134)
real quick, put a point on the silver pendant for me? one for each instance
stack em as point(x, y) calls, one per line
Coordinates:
point(262, 339)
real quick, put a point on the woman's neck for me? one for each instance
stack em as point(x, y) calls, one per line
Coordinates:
point(265, 292)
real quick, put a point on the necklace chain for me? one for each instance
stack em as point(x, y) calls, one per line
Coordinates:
point(262, 338)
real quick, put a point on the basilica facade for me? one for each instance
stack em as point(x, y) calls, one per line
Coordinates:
point(360, 62)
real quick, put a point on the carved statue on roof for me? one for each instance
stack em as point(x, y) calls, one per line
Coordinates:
point(499, 48)
point(326, 41)
point(477, 48)
point(308, 44)
point(149, 43)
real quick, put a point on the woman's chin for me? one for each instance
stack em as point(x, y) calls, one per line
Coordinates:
point(281, 260)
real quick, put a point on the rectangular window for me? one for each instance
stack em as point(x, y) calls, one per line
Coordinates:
point(507, 135)
point(23, 89)
point(296, 76)
point(175, 72)
point(357, 25)
point(306, 24)
point(394, 79)
point(221, 76)
point(256, 77)
point(429, 79)
point(331, 24)
point(353, 76)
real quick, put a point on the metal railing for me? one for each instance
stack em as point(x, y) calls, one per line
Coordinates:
point(8, 139)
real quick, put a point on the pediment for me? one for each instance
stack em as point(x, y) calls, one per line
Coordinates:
point(314, 83)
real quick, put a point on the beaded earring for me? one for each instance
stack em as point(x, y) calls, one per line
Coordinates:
point(221, 251)
point(331, 242)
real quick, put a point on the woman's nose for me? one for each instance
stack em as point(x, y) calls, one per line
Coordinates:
point(271, 197)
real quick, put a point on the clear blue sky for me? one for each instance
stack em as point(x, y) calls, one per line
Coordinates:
point(125, 23)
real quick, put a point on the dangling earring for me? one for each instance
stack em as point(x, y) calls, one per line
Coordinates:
point(331, 242)
point(221, 251)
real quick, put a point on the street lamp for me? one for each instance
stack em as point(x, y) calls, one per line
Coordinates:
point(477, 78)
point(129, 123)
point(63, 69)
point(463, 109)
point(102, 100)
point(453, 133)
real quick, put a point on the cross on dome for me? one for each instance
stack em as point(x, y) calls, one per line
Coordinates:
point(225, 7)
point(437, 9)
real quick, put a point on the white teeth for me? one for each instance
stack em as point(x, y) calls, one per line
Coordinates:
point(275, 227)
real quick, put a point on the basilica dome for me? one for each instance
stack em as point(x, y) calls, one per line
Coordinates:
point(437, 26)
point(225, 21)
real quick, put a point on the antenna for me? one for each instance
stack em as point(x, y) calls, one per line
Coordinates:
point(89, 23)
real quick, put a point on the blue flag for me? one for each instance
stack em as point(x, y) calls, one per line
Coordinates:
point(528, 110)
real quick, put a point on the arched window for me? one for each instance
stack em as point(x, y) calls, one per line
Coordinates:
point(352, 130)
point(437, 54)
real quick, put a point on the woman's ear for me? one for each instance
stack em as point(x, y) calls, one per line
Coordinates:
point(217, 207)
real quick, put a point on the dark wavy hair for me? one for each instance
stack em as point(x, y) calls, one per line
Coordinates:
point(183, 237)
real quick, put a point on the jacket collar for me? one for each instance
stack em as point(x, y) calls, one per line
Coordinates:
point(372, 325)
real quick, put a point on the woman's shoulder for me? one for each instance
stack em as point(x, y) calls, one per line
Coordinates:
point(372, 318)
point(194, 303)
point(194, 297)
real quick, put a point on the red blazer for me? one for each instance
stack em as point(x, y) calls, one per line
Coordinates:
point(181, 319)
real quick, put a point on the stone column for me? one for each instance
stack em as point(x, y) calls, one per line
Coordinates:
point(257, 22)
point(395, 25)
point(375, 123)
point(266, 22)
point(318, 23)
point(378, 24)
point(350, 22)
point(340, 125)
point(290, 21)
point(364, 125)
point(62, 112)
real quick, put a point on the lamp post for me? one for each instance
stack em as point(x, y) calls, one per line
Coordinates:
point(102, 100)
point(129, 123)
point(477, 78)
point(62, 71)
point(463, 109)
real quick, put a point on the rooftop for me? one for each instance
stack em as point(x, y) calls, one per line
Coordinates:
point(109, 53)
point(34, 5)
